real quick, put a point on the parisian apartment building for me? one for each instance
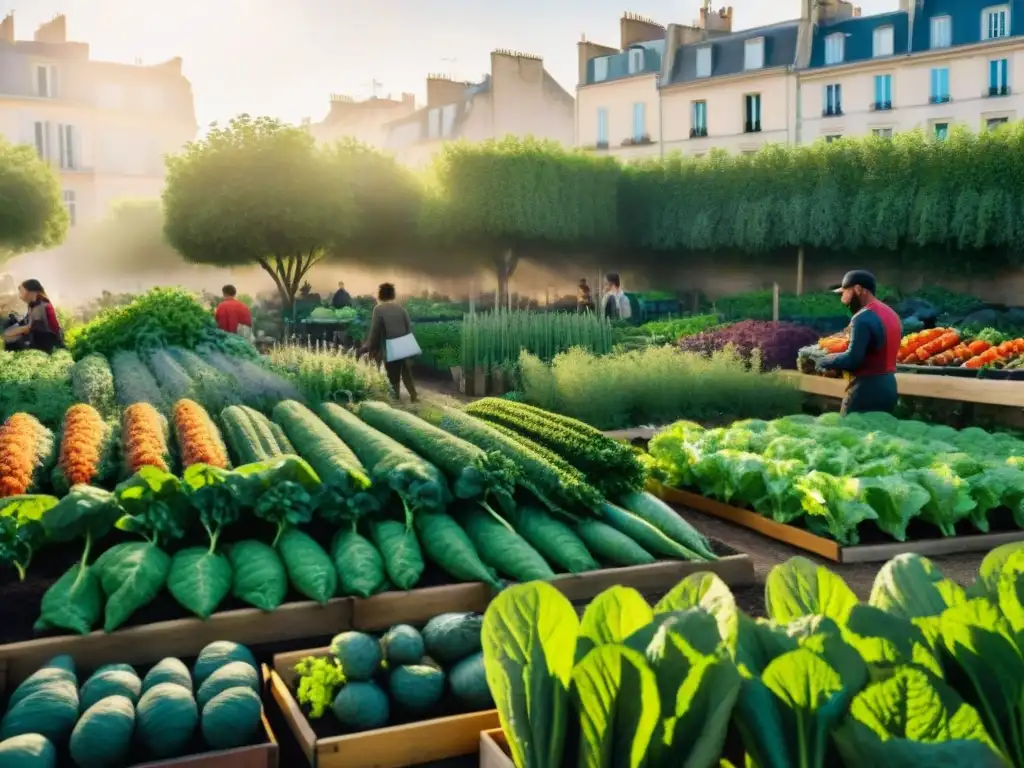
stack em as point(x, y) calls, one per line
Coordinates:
point(926, 64)
point(518, 97)
point(105, 127)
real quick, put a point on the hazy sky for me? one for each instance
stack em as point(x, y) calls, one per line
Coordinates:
point(284, 57)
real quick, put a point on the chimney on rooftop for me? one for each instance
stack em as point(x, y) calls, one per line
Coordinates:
point(634, 29)
point(719, 21)
point(442, 90)
point(54, 31)
point(409, 98)
point(7, 28)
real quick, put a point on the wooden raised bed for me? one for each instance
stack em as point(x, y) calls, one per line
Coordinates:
point(184, 638)
point(827, 548)
point(181, 638)
point(980, 391)
point(494, 750)
point(395, 746)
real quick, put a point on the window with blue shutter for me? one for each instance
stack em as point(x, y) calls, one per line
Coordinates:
point(833, 100)
point(998, 77)
point(940, 85)
point(602, 126)
point(700, 119)
point(883, 92)
point(639, 121)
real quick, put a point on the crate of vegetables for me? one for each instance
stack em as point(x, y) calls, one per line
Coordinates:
point(208, 714)
point(406, 697)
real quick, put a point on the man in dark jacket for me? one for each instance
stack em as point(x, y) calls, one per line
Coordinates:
point(341, 298)
point(875, 334)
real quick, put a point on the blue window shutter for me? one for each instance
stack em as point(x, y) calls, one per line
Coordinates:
point(638, 121)
point(993, 74)
point(878, 89)
point(602, 125)
point(1004, 71)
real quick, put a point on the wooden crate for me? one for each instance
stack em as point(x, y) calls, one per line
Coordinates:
point(827, 548)
point(494, 750)
point(182, 638)
point(392, 747)
point(981, 391)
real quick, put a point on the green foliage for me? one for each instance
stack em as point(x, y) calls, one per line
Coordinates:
point(923, 673)
point(908, 192)
point(654, 386)
point(159, 318)
point(496, 339)
point(836, 474)
point(329, 375)
point(519, 192)
point(32, 213)
point(36, 383)
point(258, 191)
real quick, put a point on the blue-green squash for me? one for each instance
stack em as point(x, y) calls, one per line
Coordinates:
point(165, 720)
point(359, 655)
point(361, 707)
point(58, 668)
point(30, 750)
point(111, 680)
point(169, 670)
point(234, 674)
point(467, 681)
point(216, 655)
point(402, 645)
point(451, 637)
point(231, 718)
point(416, 687)
point(51, 710)
point(103, 736)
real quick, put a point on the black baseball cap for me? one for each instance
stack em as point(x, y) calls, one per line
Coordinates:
point(860, 277)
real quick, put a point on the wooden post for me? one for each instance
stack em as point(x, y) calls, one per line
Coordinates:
point(775, 302)
point(800, 271)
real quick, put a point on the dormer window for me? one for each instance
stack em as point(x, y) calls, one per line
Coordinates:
point(942, 32)
point(753, 54)
point(600, 69)
point(834, 48)
point(704, 61)
point(995, 22)
point(636, 60)
point(883, 42)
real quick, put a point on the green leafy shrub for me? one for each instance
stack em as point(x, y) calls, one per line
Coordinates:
point(161, 317)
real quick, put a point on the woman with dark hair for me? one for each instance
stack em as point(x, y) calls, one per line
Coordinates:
point(391, 340)
point(40, 328)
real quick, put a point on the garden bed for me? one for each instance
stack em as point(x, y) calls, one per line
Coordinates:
point(923, 540)
point(984, 391)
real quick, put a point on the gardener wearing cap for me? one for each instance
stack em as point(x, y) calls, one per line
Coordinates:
point(870, 360)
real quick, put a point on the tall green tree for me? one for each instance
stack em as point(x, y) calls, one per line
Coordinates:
point(496, 202)
point(32, 213)
point(257, 191)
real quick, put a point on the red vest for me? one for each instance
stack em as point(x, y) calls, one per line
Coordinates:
point(881, 360)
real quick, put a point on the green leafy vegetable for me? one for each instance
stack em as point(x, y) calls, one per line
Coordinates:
point(21, 529)
point(320, 678)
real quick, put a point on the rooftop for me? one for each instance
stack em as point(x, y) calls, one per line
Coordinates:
point(728, 52)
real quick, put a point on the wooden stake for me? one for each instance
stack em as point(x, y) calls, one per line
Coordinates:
point(775, 302)
point(800, 271)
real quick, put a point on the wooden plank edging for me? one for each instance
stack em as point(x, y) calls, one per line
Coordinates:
point(826, 548)
point(982, 391)
point(180, 638)
point(493, 747)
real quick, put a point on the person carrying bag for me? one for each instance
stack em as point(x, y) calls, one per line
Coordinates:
point(392, 342)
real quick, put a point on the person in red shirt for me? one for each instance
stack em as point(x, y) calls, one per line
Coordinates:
point(233, 316)
point(875, 333)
